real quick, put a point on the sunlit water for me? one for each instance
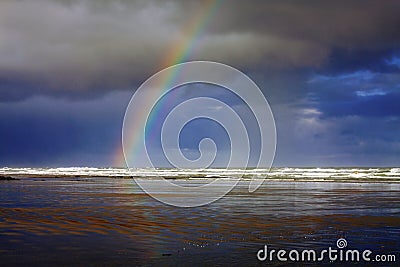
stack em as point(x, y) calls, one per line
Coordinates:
point(110, 221)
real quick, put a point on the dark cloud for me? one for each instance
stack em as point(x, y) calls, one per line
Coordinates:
point(343, 61)
point(306, 138)
point(366, 106)
point(71, 47)
point(330, 70)
point(347, 24)
point(362, 92)
point(44, 131)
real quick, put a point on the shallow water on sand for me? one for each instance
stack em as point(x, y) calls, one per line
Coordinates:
point(110, 221)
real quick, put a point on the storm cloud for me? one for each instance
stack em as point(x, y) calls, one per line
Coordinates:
point(330, 70)
point(89, 47)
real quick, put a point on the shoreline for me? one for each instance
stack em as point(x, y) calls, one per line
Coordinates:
point(21, 177)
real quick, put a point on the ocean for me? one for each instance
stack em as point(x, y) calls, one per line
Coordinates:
point(100, 217)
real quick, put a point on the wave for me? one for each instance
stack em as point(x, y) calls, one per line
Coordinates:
point(296, 174)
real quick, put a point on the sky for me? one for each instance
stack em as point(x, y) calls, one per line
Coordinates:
point(329, 70)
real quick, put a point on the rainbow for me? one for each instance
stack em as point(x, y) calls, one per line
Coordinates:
point(179, 52)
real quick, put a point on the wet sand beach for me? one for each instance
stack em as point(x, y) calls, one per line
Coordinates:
point(110, 221)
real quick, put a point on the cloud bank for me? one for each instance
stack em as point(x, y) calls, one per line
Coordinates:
point(89, 47)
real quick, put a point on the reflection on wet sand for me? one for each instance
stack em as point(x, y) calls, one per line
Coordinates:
point(110, 221)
